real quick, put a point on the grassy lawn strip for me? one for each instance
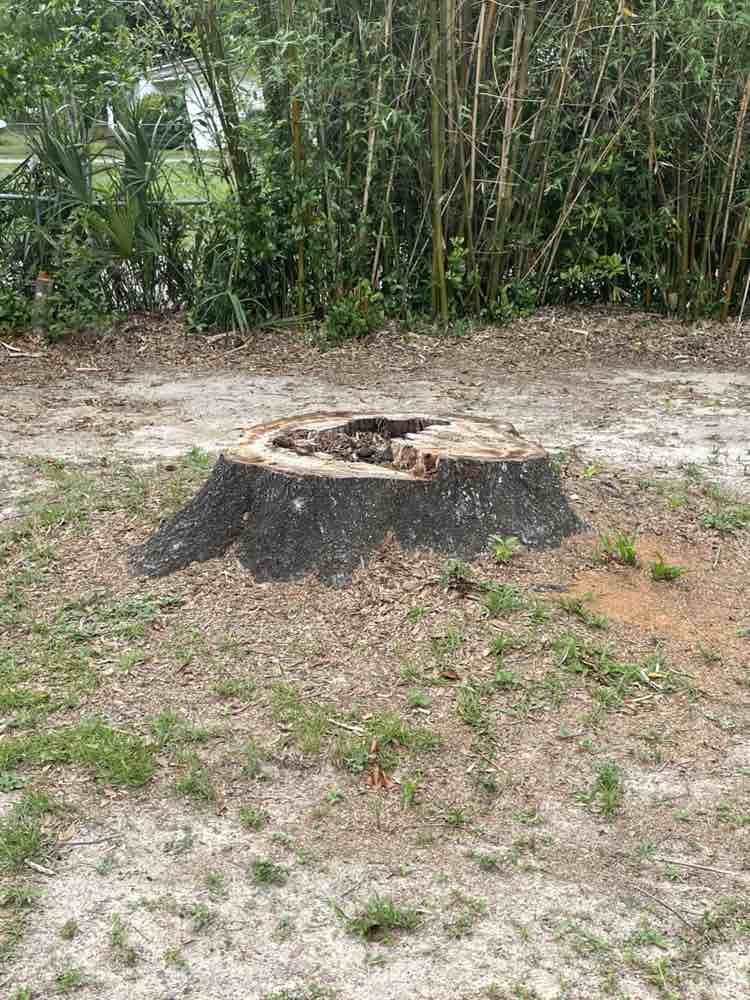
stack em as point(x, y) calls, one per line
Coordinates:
point(113, 756)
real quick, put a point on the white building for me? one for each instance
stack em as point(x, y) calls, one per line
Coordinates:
point(186, 78)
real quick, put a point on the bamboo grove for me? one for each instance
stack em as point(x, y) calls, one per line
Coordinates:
point(472, 157)
point(470, 152)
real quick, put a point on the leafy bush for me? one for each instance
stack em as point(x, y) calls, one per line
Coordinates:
point(15, 308)
point(517, 299)
point(354, 315)
point(241, 264)
point(121, 249)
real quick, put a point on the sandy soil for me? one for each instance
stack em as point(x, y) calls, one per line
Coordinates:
point(634, 418)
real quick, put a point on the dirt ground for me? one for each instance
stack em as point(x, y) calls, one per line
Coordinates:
point(547, 797)
point(619, 387)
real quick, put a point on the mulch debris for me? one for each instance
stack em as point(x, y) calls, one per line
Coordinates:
point(556, 337)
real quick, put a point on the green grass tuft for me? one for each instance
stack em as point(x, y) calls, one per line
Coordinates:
point(606, 792)
point(619, 549)
point(252, 818)
point(380, 917)
point(661, 570)
point(116, 757)
point(499, 598)
point(22, 836)
point(577, 606)
point(263, 871)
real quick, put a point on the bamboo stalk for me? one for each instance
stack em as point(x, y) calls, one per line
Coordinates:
point(373, 128)
point(580, 155)
point(734, 163)
point(502, 186)
point(743, 235)
point(392, 171)
point(439, 287)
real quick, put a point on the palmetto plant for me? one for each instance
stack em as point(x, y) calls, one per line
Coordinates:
point(112, 211)
point(137, 229)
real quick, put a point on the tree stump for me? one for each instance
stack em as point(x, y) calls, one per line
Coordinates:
point(319, 493)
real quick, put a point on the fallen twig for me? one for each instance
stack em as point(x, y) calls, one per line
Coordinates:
point(661, 902)
point(82, 843)
point(40, 868)
point(646, 680)
point(18, 353)
point(489, 760)
point(702, 868)
point(352, 729)
point(717, 556)
point(235, 349)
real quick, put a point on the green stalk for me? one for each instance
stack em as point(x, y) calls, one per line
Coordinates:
point(439, 286)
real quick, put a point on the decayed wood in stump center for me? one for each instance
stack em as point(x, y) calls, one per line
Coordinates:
point(320, 492)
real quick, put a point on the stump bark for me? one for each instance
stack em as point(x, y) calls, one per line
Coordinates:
point(319, 494)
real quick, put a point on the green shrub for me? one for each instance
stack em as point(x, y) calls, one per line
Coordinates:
point(354, 315)
point(517, 299)
point(241, 265)
point(15, 308)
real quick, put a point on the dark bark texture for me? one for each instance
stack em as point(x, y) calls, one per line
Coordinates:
point(289, 515)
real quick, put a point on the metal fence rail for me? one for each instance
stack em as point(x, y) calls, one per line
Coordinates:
point(14, 196)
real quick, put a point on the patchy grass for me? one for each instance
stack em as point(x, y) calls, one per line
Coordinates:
point(263, 871)
point(121, 948)
point(500, 598)
point(471, 706)
point(605, 794)
point(69, 930)
point(376, 738)
point(306, 722)
point(196, 781)
point(169, 729)
point(253, 818)
point(618, 548)
point(464, 912)
point(427, 721)
point(383, 737)
point(69, 980)
point(380, 918)
point(115, 757)
point(313, 992)
point(726, 522)
point(19, 895)
point(577, 606)
point(616, 678)
point(23, 836)
point(456, 575)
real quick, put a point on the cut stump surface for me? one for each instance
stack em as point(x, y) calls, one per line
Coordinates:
point(319, 493)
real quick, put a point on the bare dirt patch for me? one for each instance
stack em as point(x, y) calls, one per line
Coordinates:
point(706, 610)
